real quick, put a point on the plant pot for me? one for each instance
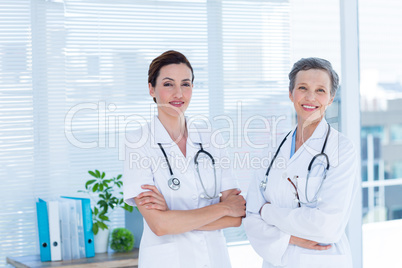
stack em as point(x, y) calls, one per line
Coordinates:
point(101, 241)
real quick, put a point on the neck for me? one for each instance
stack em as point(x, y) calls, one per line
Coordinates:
point(305, 130)
point(175, 126)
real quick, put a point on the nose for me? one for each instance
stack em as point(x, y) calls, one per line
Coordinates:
point(310, 95)
point(178, 92)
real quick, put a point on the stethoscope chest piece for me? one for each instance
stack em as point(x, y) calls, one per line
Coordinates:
point(174, 183)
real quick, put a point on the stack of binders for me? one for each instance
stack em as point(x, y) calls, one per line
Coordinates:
point(65, 229)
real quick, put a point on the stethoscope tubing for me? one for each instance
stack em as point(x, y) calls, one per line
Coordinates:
point(167, 161)
point(174, 183)
point(264, 182)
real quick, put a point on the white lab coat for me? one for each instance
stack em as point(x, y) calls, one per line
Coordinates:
point(190, 249)
point(323, 221)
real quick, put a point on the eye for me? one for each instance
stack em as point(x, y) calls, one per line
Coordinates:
point(302, 88)
point(186, 84)
point(321, 90)
point(167, 84)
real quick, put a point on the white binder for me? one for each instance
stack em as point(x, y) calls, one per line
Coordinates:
point(54, 230)
point(76, 243)
point(65, 229)
point(80, 229)
point(75, 253)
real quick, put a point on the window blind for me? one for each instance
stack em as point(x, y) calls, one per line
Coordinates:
point(83, 82)
point(256, 61)
point(17, 230)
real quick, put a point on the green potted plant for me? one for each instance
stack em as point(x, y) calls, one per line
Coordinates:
point(122, 240)
point(105, 197)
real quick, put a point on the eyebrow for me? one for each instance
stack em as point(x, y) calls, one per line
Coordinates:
point(306, 84)
point(171, 79)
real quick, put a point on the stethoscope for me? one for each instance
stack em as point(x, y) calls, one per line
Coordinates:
point(174, 183)
point(263, 183)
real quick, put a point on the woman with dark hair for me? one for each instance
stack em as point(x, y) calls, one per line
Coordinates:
point(298, 207)
point(183, 194)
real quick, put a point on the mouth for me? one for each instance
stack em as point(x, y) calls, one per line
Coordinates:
point(309, 107)
point(177, 104)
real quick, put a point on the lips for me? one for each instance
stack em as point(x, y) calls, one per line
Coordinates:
point(309, 107)
point(176, 103)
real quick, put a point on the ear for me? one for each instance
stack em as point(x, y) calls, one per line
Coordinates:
point(331, 101)
point(290, 96)
point(151, 90)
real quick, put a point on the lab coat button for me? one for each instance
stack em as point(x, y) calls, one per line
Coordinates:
point(194, 196)
point(284, 175)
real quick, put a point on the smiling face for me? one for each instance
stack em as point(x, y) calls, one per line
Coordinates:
point(311, 95)
point(173, 90)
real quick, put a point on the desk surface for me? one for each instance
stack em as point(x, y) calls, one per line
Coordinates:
point(110, 260)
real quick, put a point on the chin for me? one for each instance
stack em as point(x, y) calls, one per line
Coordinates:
point(313, 119)
point(176, 112)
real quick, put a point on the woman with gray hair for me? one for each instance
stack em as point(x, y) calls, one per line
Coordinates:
point(298, 207)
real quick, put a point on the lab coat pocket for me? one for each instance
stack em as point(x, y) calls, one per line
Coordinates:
point(327, 261)
point(159, 256)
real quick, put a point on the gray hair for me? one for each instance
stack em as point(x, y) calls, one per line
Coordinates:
point(314, 63)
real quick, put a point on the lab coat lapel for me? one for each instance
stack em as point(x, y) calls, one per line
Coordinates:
point(313, 145)
point(194, 137)
point(193, 141)
point(285, 150)
point(158, 133)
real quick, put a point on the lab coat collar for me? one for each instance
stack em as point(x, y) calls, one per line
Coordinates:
point(319, 133)
point(313, 145)
point(159, 133)
point(194, 136)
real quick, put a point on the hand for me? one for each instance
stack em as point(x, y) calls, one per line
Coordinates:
point(236, 204)
point(152, 199)
point(304, 243)
point(227, 193)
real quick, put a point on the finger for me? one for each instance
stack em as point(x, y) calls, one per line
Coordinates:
point(150, 193)
point(150, 187)
point(151, 199)
point(236, 192)
point(145, 194)
point(155, 207)
point(146, 200)
point(320, 247)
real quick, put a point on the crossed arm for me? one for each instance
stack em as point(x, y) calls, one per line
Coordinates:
point(304, 243)
point(162, 221)
point(326, 223)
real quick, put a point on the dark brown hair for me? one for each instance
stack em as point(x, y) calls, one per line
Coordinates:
point(166, 58)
